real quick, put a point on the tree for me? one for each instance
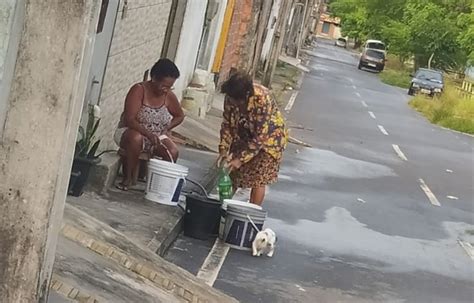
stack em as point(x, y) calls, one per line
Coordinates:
point(466, 37)
point(439, 32)
point(353, 18)
point(432, 34)
point(397, 35)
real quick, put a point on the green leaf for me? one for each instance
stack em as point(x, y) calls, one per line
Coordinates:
point(93, 149)
point(81, 132)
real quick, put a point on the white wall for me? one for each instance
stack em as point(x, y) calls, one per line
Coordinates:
point(188, 45)
point(136, 46)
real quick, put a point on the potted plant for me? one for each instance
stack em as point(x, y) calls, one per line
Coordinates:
point(85, 155)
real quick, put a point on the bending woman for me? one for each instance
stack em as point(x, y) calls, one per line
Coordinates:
point(253, 135)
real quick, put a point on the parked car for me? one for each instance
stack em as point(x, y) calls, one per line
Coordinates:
point(341, 42)
point(426, 81)
point(375, 45)
point(372, 59)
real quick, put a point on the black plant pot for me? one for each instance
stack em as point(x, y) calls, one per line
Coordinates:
point(79, 174)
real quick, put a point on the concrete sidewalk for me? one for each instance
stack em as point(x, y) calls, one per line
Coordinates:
point(97, 263)
point(102, 232)
point(111, 243)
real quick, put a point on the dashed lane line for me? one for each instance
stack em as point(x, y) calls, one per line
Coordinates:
point(467, 248)
point(429, 193)
point(372, 115)
point(291, 102)
point(399, 152)
point(364, 104)
point(382, 129)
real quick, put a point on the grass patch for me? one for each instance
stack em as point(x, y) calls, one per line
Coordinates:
point(449, 110)
point(396, 78)
point(396, 73)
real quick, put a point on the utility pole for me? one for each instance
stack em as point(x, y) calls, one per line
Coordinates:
point(262, 24)
point(278, 39)
point(43, 108)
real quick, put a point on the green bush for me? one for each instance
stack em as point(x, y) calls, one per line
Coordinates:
point(448, 110)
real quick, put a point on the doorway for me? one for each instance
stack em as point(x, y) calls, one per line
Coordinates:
point(103, 40)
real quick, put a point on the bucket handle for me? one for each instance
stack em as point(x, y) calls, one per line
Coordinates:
point(204, 191)
point(167, 151)
point(253, 224)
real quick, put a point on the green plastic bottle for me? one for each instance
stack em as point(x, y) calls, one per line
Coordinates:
point(224, 185)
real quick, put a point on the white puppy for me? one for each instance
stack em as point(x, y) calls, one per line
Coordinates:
point(264, 243)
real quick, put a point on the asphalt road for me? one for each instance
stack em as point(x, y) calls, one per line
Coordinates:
point(353, 221)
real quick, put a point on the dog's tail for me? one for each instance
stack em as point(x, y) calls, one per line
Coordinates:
point(253, 224)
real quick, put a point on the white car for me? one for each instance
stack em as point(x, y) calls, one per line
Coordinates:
point(375, 45)
point(341, 42)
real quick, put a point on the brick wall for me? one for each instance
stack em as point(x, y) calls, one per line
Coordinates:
point(136, 45)
point(230, 57)
point(236, 46)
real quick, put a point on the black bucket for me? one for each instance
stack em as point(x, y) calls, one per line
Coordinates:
point(202, 217)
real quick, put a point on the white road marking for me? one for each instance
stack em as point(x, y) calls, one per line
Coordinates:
point(382, 129)
point(372, 115)
point(358, 95)
point(213, 263)
point(449, 171)
point(291, 102)
point(354, 87)
point(360, 200)
point(300, 288)
point(350, 79)
point(364, 104)
point(429, 193)
point(467, 248)
point(452, 197)
point(399, 152)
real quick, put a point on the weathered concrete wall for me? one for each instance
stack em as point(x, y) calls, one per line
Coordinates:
point(37, 144)
point(136, 46)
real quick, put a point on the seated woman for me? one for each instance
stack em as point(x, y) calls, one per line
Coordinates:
point(151, 111)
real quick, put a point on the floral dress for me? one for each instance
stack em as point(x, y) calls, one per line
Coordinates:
point(257, 136)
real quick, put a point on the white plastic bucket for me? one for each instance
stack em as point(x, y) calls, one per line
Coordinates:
point(239, 232)
point(224, 210)
point(165, 181)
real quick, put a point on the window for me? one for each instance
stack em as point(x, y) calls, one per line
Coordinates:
point(102, 14)
point(429, 75)
point(376, 45)
point(326, 27)
point(375, 54)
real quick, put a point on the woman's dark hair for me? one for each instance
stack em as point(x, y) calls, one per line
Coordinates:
point(164, 68)
point(239, 86)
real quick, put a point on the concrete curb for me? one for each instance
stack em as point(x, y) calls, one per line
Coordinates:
point(111, 245)
point(209, 184)
point(163, 247)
